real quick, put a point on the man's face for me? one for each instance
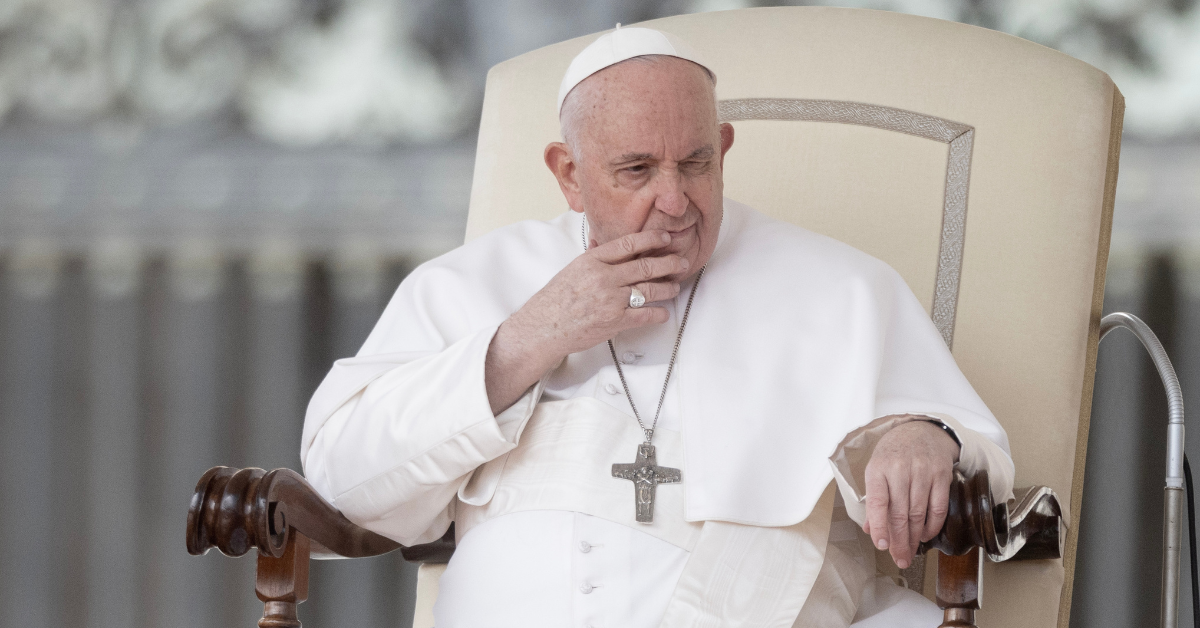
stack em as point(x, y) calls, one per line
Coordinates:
point(649, 155)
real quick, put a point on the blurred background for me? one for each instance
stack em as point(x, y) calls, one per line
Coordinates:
point(203, 203)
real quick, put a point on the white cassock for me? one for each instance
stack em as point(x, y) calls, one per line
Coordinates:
point(796, 347)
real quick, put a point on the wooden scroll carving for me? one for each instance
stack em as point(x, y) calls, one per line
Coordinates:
point(278, 512)
point(1028, 527)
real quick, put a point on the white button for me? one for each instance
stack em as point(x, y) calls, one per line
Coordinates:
point(610, 389)
point(630, 357)
point(586, 588)
point(585, 547)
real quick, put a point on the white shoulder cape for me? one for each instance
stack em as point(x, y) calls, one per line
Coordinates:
point(794, 341)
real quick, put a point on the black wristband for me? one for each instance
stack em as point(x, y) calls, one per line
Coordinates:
point(946, 428)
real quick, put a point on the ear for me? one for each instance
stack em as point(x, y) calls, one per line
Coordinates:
point(561, 162)
point(726, 140)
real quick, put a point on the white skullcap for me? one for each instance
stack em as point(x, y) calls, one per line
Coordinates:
point(620, 44)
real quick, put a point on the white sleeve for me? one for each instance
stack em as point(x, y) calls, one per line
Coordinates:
point(977, 453)
point(415, 426)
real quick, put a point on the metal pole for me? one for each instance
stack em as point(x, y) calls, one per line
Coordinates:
point(1173, 491)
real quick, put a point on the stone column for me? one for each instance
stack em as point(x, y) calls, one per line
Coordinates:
point(1186, 359)
point(115, 440)
point(28, 333)
point(185, 415)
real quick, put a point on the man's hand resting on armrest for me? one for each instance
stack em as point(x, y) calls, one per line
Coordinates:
point(908, 487)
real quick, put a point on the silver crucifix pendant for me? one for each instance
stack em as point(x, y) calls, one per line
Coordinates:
point(646, 475)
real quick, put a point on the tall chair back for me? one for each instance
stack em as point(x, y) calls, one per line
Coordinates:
point(982, 167)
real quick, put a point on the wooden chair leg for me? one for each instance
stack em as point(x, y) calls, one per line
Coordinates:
point(282, 583)
point(958, 587)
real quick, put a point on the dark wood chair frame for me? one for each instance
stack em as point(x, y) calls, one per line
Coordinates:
point(280, 514)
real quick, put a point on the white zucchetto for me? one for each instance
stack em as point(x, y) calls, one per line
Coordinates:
point(620, 44)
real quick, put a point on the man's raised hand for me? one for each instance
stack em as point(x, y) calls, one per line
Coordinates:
point(586, 303)
point(908, 487)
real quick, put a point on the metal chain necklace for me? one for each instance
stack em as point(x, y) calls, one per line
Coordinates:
point(644, 472)
point(649, 431)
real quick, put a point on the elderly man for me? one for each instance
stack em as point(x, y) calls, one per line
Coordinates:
point(637, 413)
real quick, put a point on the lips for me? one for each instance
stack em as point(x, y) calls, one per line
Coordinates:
point(675, 234)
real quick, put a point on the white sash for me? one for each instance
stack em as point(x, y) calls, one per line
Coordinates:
point(736, 575)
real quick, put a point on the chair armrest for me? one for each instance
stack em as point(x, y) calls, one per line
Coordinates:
point(283, 516)
point(235, 510)
point(1028, 527)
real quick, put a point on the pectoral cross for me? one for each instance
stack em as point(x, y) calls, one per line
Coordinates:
point(646, 475)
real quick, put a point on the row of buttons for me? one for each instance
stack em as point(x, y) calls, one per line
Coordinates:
point(586, 547)
point(629, 357)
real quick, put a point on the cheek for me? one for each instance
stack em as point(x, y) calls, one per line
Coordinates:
point(705, 187)
point(712, 225)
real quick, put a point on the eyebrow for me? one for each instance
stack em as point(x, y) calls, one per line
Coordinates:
point(630, 157)
point(704, 152)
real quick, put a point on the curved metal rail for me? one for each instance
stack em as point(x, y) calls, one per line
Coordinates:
point(1173, 491)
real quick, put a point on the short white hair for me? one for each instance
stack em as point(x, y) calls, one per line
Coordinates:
point(570, 117)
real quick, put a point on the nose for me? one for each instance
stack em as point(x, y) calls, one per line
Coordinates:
point(670, 198)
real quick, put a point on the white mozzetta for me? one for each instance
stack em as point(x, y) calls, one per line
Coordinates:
point(795, 340)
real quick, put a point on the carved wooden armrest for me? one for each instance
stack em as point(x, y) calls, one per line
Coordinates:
point(1028, 527)
point(279, 513)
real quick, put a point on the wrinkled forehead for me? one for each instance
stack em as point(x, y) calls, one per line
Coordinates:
point(624, 71)
point(652, 86)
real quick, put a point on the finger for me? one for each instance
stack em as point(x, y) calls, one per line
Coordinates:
point(918, 507)
point(631, 245)
point(877, 508)
point(644, 269)
point(642, 316)
point(939, 505)
point(657, 290)
point(898, 492)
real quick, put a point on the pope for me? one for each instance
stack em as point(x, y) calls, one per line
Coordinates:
point(780, 401)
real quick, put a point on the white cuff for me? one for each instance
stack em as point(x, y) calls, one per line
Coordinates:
point(478, 487)
point(512, 420)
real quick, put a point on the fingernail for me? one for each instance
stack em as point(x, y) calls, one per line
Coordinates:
point(666, 237)
point(683, 262)
point(676, 287)
point(881, 544)
point(903, 564)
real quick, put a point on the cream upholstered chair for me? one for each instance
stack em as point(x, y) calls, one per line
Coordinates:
point(982, 167)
